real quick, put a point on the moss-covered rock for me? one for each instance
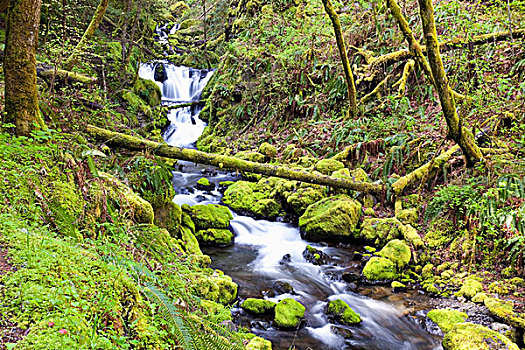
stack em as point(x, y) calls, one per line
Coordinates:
point(469, 336)
point(410, 234)
point(204, 184)
point(379, 269)
point(398, 287)
point(189, 242)
point(328, 166)
point(258, 343)
point(169, 216)
point(304, 196)
point(315, 256)
point(380, 231)
point(288, 314)
point(504, 310)
point(251, 198)
point(479, 298)
point(396, 251)
point(251, 156)
point(447, 318)
point(217, 287)
point(215, 237)
point(258, 306)
point(339, 311)
point(331, 218)
point(268, 150)
point(148, 91)
point(209, 215)
point(470, 288)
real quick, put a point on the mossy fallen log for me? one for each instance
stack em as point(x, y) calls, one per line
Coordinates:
point(63, 76)
point(422, 172)
point(133, 143)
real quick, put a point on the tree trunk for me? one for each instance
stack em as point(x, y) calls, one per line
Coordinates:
point(137, 144)
point(3, 5)
point(88, 34)
point(21, 98)
point(344, 57)
point(456, 130)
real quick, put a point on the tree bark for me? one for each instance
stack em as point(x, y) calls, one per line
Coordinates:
point(21, 98)
point(88, 34)
point(137, 144)
point(344, 57)
point(456, 130)
point(3, 5)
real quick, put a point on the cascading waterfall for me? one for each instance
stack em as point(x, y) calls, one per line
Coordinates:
point(255, 260)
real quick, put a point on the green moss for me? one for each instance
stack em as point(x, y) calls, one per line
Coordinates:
point(258, 343)
point(446, 318)
point(67, 207)
point(252, 198)
point(470, 288)
point(380, 231)
point(251, 156)
point(215, 312)
point(379, 269)
point(215, 237)
point(268, 150)
point(342, 313)
point(203, 182)
point(258, 306)
point(468, 336)
point(169, 216)
point(396, 251)
point(408, 216)
point(288, 314)
point(217, 287)
point(397, 285)
point(328, 166)
point(505, 311)
point(479, 298)
point(209, 216)
point(499, 288)
point(331, 218)
point(148, 91)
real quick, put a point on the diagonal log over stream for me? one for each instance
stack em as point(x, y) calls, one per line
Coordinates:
point(137, 144)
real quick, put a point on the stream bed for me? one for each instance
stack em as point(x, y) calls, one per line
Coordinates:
point(266, 258)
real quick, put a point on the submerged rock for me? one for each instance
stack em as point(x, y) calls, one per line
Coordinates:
point(258, 306)
point(469, 336)
point(288, 314)
point(398, 252)
point(379, 269)
point(283, 287)
point(331, 218)
point(446, 318)
point(339, 311)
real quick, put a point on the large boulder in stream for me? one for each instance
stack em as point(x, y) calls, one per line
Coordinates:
point(470, 336)
point(209, 216)
point(288, 314)
point(215, 237)
point(258, 306)
point(332, 218)
point(252, 198)
point(379, 269)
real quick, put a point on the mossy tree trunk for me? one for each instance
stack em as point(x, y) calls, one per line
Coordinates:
point(21, 98)
point(344, 57)
point(192, 155)
point(88, 34)
point(461, 135)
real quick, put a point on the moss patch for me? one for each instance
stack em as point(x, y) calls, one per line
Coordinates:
point(341, 312)
point(468, 336)
point(288, 314)
point(258, 306)
point(379, 269)
point(446, 318)
point(396, 251)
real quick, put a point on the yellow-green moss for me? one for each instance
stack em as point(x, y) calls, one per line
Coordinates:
point(258, 343)
point(342, 313)
point(258, 306)
point(398, 252)
point(209, 216)
point(217, 287)
point(379, 269)
point(469, 336)
point(470, 288)
point(289, 313)
point(215, 237)
point(447, 318)
point(380, 231)
point(328, 166)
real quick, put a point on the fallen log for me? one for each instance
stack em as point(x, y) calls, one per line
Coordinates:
point(63, 76)
point(137, 144)
point(401, 55)
point(422, 172)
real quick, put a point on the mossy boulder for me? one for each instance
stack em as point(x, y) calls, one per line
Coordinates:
point(258, 343)
point(207, 216)
point(258, 306)
point(215, 237)
point(267, 150)
point(331, 218)
point(168, 216)
point(148, 91)
point(189, 242)
point(504, 310)
point(204, 184)
point(217, 287)
point(66, 205)
point(469, 336)
point(339, 311)
point(479, 298)
point(411, 235)
point(398, 287)
point(328, 166)
point(446, 318)
point(379, 269)
point(469, 288)
point(304, 196)
point(380, 231)
point(252, 198)
point(396, 251)
point(288, 314)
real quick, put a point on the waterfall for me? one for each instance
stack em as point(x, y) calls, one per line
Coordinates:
point(181, 85)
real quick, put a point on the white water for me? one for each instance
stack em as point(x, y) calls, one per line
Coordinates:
point(383, 326)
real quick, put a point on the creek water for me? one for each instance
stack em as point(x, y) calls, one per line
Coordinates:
point(255, 261)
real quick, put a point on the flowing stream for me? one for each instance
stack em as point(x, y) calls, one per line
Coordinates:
point(255, 261)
